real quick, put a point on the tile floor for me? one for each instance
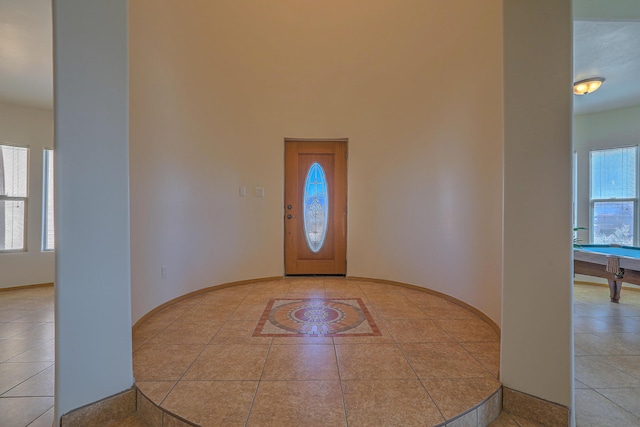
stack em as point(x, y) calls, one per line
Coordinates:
point(607, 357)
point(26, 357)
point(607, 350)
point(430, 360)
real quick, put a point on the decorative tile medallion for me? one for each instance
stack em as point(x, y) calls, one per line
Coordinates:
point(316, 317)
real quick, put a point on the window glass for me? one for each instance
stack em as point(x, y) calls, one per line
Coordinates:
point(48, 243)
point(613, 173)
point(13, 197)
point(613, 222)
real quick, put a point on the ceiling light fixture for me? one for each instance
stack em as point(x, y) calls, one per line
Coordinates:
point(586, 86)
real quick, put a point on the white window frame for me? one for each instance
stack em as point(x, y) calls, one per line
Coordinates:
point(47, 161)
point(24, 199)
point(592, 201)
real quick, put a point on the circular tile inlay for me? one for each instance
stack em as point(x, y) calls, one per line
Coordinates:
point(316, 316)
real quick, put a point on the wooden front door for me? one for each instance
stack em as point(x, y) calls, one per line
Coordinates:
point(315, 207)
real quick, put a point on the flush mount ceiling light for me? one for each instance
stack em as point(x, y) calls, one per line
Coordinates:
point(586, 86)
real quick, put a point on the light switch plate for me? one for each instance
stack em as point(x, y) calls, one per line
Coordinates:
point(259, 192)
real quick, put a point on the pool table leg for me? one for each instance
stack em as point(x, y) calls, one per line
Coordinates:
point(615, 286)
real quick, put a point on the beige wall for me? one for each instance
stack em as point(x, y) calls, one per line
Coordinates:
point(537, 333)
point(32, 127)
point(416, 87)
point(607, 129)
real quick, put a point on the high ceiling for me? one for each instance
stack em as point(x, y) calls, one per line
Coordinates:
point(609, 49)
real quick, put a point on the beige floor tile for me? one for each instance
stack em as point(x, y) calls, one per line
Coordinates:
point(455, 396)
point(298, 403)
point(509, 420)
point(443, 360)
point(374, 287)
point(38, 316)
point(44, 352)
point(163, 362)
point(594, 410)
point(301, 362)
point(595, 372)
point(8, 314)
point(607, 344)
point(208, 313)
point(443, 310)
point(627, 398)
point(39, 385)
point(239, 332)
point(171, 313)
point(155, 391)
point(212, 403)
point(385, 336)
point(21, 411)
point(13, 374)
point(183, 332)
point(13, 329)
point(607, 324)
point(44, 420)
point(468, 330)
point(389, 311)
point(580, 384)
point(416, 330)
point(372, 361)
point(44, 332)
point(229, 362)
point(260, 299)
point(343, 291)
point(389, 403)
point(386, 298)
point(248, 312)
point(149, 329)
point(306, 294)
point(302, 341)
point(10, 348)
point(487, 353)
point(629, 365)
point(602, 309)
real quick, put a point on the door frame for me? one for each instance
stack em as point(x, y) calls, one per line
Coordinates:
point(284, 194)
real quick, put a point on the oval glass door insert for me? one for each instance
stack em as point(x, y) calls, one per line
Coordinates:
point(316, 207)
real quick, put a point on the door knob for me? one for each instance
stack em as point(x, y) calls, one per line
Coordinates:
point(290, 216)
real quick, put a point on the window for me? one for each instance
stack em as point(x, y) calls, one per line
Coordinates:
point(614, 197)
point(316, 207)
point(13, 197)
point(48, 230)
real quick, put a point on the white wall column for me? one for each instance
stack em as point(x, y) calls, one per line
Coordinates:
point(537, 335)
point(93, 286)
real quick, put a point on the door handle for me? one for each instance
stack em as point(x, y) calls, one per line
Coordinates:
point(290, 216)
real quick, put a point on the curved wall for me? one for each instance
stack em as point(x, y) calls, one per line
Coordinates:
point(416, 87)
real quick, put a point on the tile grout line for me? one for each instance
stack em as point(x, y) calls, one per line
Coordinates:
point(255, 393)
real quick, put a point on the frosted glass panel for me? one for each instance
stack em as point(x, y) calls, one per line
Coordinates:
point(613, 223)
point(316, 207)
point(613, 173)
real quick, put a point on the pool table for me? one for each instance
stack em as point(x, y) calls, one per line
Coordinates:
point(615, 263)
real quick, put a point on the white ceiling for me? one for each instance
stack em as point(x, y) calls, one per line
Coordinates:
point(610, 50)
point(605, 49)
point(26, 52)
